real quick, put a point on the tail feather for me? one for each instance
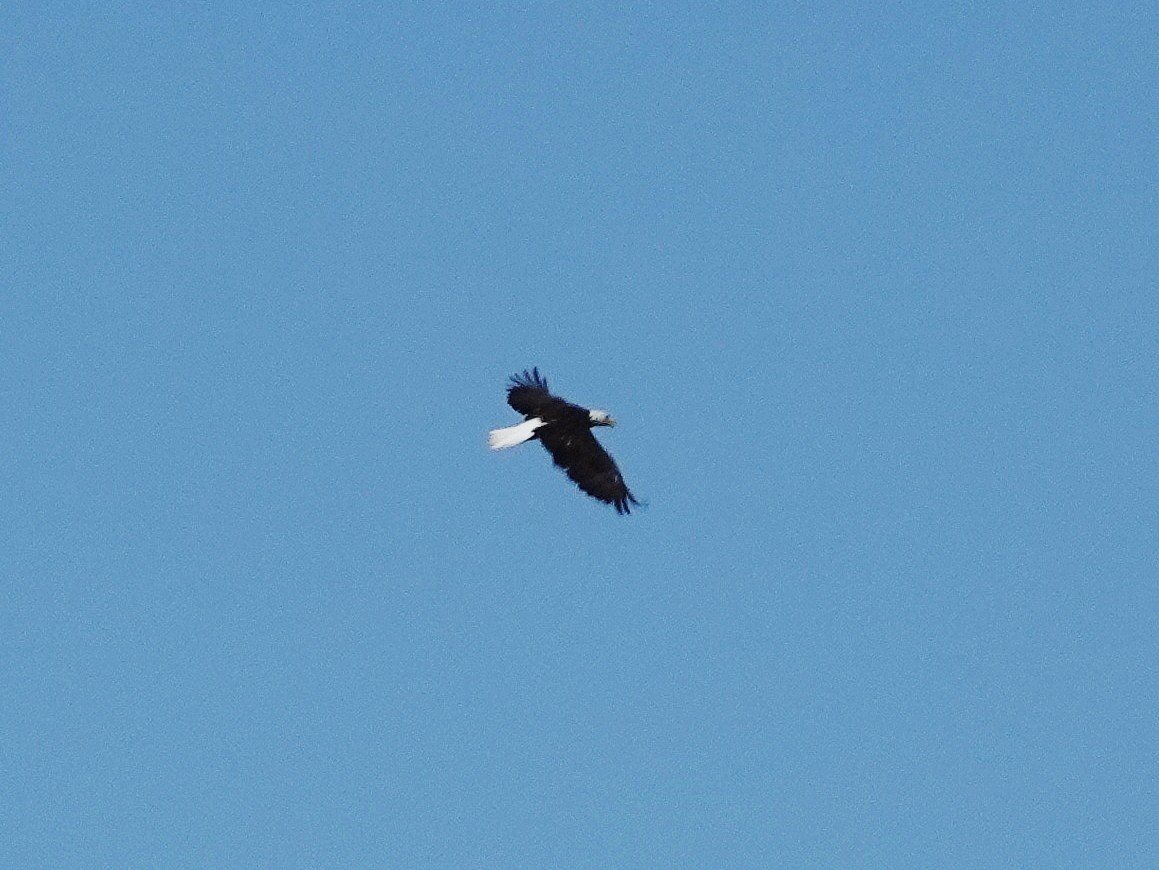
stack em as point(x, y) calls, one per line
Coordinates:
point(513, 435)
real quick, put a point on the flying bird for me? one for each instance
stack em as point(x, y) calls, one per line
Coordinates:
point(566, 431)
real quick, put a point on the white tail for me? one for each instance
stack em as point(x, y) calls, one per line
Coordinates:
point(513, 435)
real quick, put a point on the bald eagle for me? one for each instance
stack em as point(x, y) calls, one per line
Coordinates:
point(565, 430)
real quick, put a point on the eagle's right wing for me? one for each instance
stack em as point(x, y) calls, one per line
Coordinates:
point(528, 393)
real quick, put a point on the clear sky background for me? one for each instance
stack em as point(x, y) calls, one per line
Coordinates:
point(873, 291)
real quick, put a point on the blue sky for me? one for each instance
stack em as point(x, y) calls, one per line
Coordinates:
point(873, 292)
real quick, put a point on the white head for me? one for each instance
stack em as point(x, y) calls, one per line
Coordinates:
point(601, 418)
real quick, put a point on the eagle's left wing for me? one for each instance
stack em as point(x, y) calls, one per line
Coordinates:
point(589, 465)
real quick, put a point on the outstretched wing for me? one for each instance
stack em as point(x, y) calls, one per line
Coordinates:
point(528, 394)
point(577, 452)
